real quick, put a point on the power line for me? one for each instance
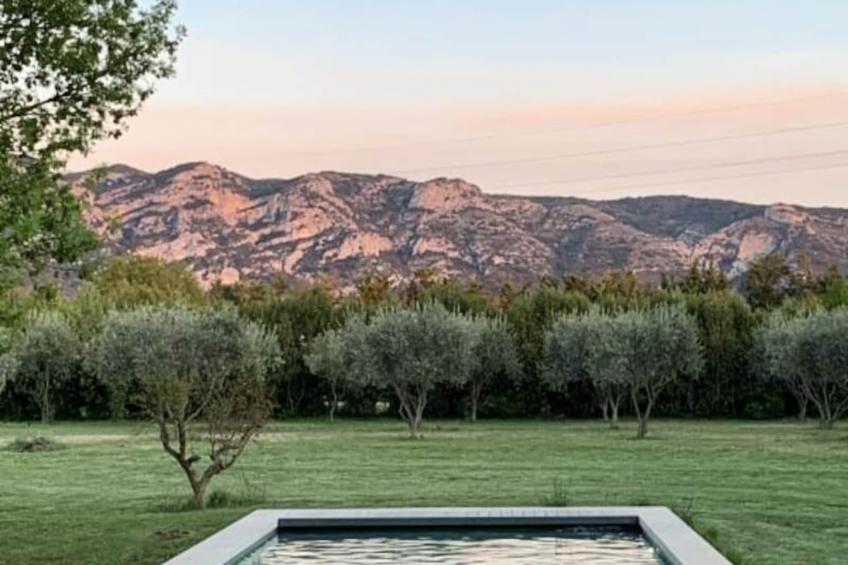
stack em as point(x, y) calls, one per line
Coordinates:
point(709, 179)
point(629, 149)
point(561, 129)
point(580, 180)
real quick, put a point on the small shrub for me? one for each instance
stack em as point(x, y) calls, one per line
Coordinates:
point(559, 495)
point(216, 499)
point(711, 534)
point(224, 499)
point(34, 445)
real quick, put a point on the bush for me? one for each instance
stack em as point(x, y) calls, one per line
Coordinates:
point(34, 444)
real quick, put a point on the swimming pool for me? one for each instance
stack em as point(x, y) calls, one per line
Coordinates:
point(453, 536)
point(466, 546)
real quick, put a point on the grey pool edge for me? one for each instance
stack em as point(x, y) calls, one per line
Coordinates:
point(676, 541)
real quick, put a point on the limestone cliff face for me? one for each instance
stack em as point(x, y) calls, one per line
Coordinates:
point(227, 227)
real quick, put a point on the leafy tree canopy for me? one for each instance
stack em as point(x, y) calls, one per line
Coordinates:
point(128, 282)
point(71, 73)
point(45, 357)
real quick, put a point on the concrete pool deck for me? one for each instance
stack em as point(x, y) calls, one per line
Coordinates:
point(676, 541)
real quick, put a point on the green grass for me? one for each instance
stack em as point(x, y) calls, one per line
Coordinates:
point(762, 492)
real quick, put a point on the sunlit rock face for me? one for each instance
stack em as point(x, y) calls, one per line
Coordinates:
point(228, 227)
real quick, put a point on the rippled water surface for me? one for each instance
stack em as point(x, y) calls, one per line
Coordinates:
point(462, 547)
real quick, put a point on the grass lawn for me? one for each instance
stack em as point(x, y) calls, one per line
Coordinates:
point(772, 492)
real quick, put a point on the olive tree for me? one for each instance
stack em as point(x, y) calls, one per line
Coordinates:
point(494, 355)
point(660, 345)
point(45, 357)
point(824, 348)
point(810, 355)
point(606, 361)
point(410, 351)
point(564, 353)
point(589, 347)
point(337, 357)
point(191, 369)
point(776, 348)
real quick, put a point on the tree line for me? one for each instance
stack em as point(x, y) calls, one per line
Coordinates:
point(554, 348)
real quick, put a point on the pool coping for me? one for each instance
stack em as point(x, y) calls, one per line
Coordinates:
point(676, 541)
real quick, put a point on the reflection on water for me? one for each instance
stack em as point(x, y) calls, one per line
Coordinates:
point(461, 547)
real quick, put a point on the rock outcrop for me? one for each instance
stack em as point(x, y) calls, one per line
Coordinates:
point(229, 227)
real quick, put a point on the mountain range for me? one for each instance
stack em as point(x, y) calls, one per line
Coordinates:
point(228, 227)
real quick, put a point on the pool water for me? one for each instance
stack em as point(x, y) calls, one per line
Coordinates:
point(514, 546)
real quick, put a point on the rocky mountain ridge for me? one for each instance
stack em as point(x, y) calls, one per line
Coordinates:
point(228, 227)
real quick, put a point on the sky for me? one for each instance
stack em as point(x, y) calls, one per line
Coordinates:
point(742, 99)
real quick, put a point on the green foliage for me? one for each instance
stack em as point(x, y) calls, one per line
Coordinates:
point(810, 356)
point(777, 356)
point(771, 279)
point(375, 290)
point(41, 218)
point(46, 356)
point(834, 291)
point(300, 314)
point(245, 293)
point(590, 347)
point(565, 357)
point(130, 282)
point(531, 314)
point(494, 357)
point(188, 367)
point(297, 318)
point(71, 73)
point(8, 365)
point(453, 295)
point(640, 351)
point(419, 347)
point(179, 356)
point(765, 281)
point(661, 345)
point(337, 357)
point(725, 325)
point(701, 278)
point(86, 312)
point(411, 351)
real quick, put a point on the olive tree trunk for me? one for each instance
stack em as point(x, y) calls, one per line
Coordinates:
point(643, 415)
point(224, 450)
point(412, 405)
point(830, 407)
point(43, 397)
point(609, 408)
point(476, 391)
point(614, 403)
point(334, 401)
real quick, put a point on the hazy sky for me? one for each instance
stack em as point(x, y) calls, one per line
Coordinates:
point(743, 99)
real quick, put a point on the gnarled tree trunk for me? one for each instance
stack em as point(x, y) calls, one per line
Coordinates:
point(412, 409)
